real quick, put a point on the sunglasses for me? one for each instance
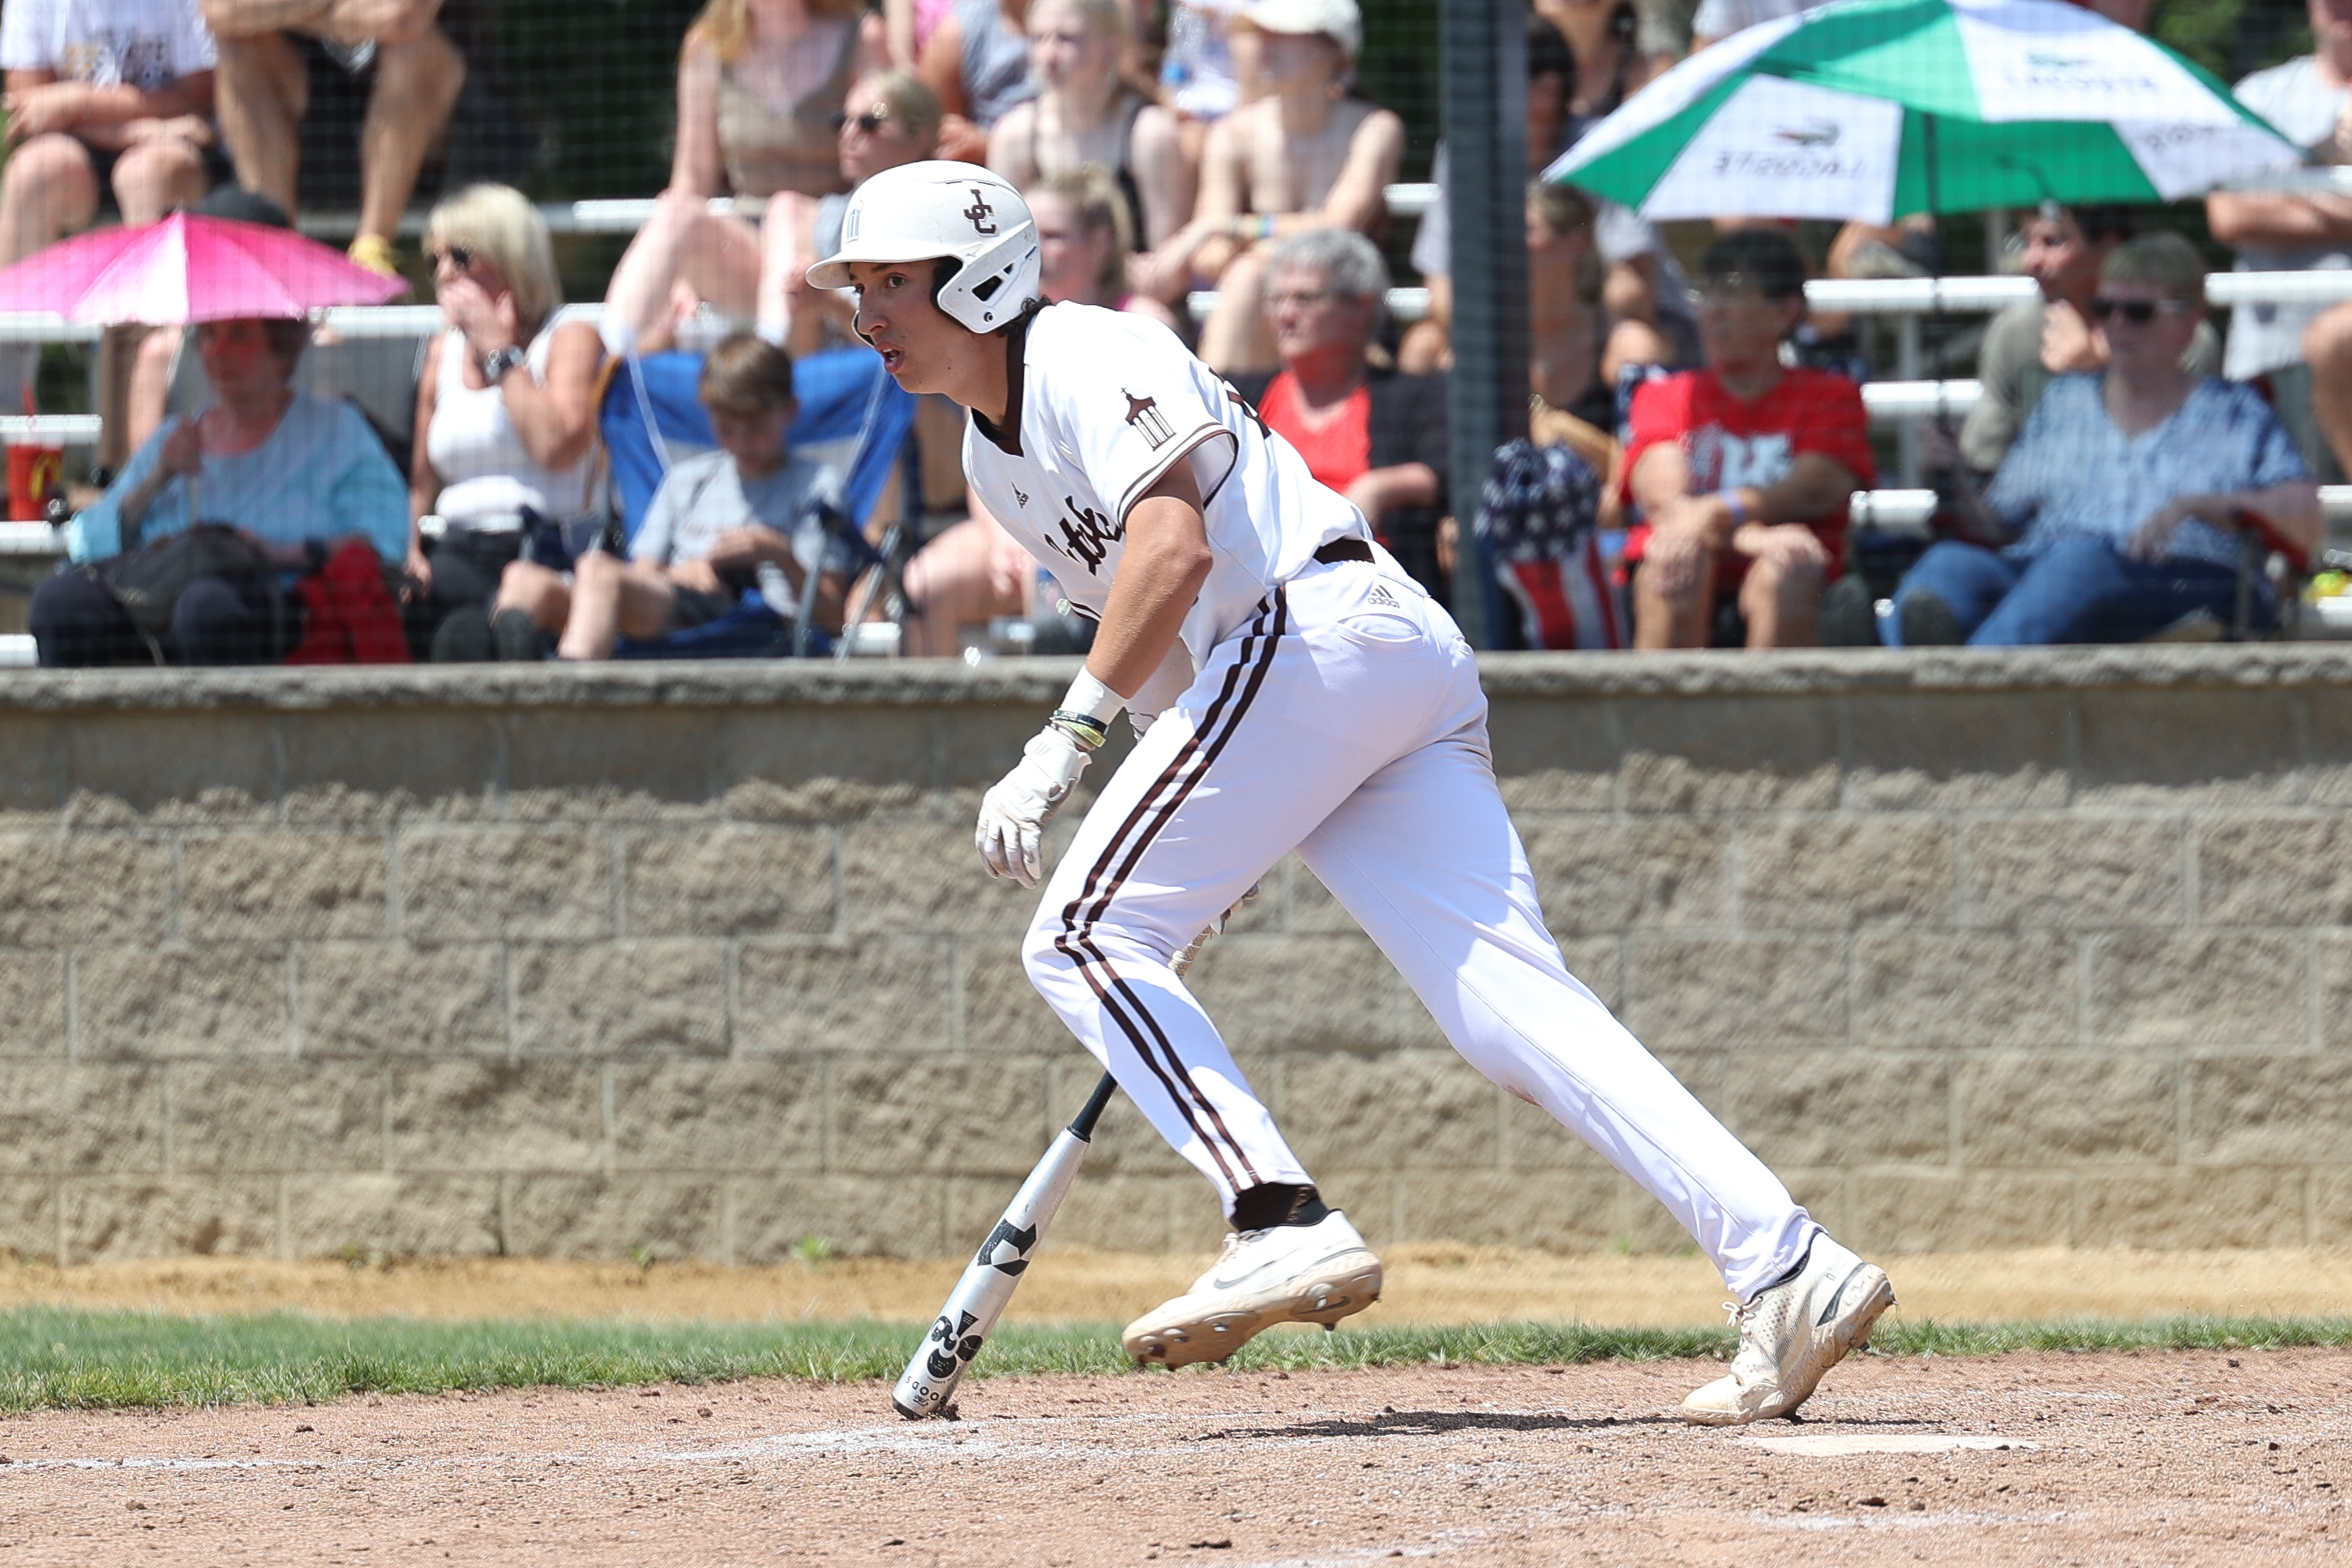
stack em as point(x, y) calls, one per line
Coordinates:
point(871, 122)
point(461, 257)
point(2138, 313)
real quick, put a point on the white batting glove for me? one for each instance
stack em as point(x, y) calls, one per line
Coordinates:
point(1012, 814)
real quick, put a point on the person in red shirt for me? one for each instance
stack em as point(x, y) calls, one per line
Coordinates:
point(1742, 471)
point(1376, 437)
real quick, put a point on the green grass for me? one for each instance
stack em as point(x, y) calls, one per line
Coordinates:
point(53, 1358)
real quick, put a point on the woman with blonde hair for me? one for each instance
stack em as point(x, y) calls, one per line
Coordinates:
point(1086, 113)
point(1084, 235)
point(505, 405)
point(760, 89)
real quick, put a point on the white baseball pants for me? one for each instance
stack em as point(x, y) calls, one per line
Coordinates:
point(1346, 722)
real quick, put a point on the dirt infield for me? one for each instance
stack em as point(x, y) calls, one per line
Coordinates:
point(1427, 1284)
point(2177, 1458)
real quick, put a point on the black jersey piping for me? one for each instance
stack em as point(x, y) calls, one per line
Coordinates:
point(1151, 814)
point(1016, 375)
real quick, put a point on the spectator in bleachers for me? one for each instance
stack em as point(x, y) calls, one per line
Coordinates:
point(505, 405)
point(1308, 156)
point(908, 27)
point(889, 118)
point(1085, 113)
point(296, 474)
point(1375, 437)
point(886, 118)
point(2303, 352)
point(267, 50)
point(2034, 340)
point(1743, 470)
point(1575, 350)
point(716, 519)
point(978, 62)
point(119, 99)
point(377, 373)
point(1641, 282)
point(2099, 525)
point(1084, 238)
point(1209, 69)
point(1600, 37)
point(761, 91)
point(967, 574)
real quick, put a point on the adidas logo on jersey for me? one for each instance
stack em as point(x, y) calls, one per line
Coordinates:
point(1381, 596)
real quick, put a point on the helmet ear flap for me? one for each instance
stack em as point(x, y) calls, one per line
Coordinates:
point(993, 287)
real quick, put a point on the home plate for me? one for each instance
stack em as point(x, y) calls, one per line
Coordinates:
point(1827, 1445)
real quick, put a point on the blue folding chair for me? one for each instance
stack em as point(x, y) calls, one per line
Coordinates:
point(854, 418)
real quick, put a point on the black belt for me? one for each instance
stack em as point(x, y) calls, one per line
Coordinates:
point(1344, 550)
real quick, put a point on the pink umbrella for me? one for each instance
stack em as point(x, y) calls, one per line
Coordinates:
point(188, 268)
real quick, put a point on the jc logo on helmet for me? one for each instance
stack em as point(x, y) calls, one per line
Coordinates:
point(980, 212)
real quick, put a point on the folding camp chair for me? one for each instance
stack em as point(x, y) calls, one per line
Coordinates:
point(854, 418)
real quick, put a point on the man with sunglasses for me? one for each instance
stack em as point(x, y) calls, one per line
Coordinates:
point(2100, 524)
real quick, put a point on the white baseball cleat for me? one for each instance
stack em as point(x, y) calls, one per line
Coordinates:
point(1791, 1334)
point(1316, 1273)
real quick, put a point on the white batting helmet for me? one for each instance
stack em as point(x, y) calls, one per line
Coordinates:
point(937, 208)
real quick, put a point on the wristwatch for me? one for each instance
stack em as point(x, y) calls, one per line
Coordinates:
point(498, 362)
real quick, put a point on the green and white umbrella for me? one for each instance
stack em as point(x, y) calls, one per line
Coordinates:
point(1865, 109)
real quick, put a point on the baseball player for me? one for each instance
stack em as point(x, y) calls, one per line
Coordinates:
point(1291, 689)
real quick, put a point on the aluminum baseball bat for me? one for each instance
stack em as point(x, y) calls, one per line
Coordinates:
point(927, 1385)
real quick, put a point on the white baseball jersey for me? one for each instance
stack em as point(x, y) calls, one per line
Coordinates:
point(1104, 404)
point(1332, 708)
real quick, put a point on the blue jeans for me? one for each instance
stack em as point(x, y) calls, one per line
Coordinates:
point(2077, 591)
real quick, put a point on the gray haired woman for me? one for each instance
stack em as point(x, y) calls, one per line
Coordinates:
point(1378, 438)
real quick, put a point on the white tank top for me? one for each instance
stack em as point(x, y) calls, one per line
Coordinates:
point(487, 476)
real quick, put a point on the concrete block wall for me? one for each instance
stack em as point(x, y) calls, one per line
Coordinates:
point(1979, 950)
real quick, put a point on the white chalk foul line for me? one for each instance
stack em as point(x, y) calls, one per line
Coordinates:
point(1001, 1438)
point(998, 1438)
point(1828, 1444)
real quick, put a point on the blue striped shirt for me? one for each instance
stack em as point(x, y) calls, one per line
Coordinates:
point(2072, 473)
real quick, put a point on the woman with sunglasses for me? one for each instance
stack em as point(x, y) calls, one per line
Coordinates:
point(888, 119)
point(505, 406)
point(2107, 519)
point(683, 259)
point(760, 84)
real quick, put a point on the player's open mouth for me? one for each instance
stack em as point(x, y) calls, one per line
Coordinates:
point(891, 358)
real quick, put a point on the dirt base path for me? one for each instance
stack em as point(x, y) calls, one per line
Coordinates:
point(1427, 1284)
point(2173, 1457)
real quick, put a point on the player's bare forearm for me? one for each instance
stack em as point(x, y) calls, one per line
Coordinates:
point(1160, 575)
